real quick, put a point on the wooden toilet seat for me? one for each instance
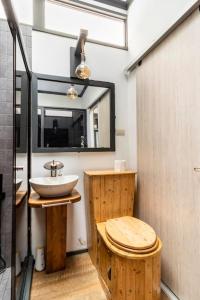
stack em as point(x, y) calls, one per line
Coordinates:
point(131, 235)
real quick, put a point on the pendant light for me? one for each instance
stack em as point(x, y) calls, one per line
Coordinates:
point(72, 93)
point(82, 70)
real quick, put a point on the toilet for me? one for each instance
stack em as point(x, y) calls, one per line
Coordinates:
point(128, 259)
point(125, 250)
point(131, 235)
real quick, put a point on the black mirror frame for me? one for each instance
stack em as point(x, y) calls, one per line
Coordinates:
point(24, 112)
point(111, 86)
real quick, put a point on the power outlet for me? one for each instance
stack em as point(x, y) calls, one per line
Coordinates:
point(120, 132)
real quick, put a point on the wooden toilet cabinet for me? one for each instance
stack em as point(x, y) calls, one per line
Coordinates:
point(108, 195)
point(124, 275)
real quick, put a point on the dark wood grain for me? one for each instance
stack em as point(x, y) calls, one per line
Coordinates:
point(56, 232)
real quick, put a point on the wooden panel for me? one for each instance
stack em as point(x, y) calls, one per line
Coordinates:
point(134, 280)
point(55, 238)
point(108, 195)
point(20, 196)
point(107, 172)
point(168, 114)
point(104, 262)
point(36, 201)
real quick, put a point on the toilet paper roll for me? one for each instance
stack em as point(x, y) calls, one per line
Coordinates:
point(123, 165)
point(40, 261)
point(120, 165)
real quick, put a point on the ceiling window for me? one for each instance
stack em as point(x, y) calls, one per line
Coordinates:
point(69, 19)
point(23, 10)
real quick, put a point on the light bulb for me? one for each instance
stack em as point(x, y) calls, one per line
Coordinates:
point(82, 70)
point(72, 93)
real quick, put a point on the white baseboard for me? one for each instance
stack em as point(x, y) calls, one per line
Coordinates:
point(168, 292)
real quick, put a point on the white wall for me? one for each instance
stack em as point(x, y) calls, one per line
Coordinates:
point(51, 56)
point(149, 19)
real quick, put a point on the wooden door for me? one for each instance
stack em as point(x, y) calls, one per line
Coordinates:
point(168, 114)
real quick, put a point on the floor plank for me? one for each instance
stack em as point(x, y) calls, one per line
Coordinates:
point(78, 281)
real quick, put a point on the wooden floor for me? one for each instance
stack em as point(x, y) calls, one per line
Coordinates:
point(78, 282)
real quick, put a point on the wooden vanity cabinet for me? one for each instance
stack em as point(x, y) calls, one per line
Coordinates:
point(108, 195)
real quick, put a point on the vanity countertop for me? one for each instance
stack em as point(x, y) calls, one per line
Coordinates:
point(20, 197)
point(108, 172)
point(36, 201)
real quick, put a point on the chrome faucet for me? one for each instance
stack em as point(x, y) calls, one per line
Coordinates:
point(54, 166)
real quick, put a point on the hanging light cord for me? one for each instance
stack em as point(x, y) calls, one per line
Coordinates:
point(82, 51)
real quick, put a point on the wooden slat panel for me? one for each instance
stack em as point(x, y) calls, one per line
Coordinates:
point(95, 206)
point(96, 198)
point(156, 277)
point(130, 280)
point(117, 196)
point(104, 262)
point(140, 280)
point(108, 200)
point(168, 114)
point(149, 279)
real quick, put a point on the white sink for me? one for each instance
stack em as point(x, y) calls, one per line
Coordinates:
point(18, 183)
point(54, 186)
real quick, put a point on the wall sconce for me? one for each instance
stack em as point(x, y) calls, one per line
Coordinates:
point(72, 93)
point(78, 67)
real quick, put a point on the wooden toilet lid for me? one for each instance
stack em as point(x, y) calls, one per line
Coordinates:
point(131, 233)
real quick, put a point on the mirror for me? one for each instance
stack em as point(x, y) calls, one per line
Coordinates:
point(72, 115)
point(21, 167)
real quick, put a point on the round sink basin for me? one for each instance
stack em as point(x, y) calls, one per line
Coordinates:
point(18, 183)
point(54, 186)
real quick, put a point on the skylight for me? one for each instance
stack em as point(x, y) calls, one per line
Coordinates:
point(102, 28)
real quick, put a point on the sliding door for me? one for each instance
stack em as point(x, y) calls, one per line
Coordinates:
point(168, 120)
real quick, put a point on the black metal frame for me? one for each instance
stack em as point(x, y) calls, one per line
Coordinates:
point(111, 86)
point(39, 19)
point(24, 112)
point(17, 35)
point(115, 3)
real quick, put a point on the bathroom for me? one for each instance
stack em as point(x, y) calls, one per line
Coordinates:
point(99, 169)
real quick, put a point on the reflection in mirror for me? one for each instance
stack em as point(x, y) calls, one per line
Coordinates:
point(72, 115)
point(21, 166)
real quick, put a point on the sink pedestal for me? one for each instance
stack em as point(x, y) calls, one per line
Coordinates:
point(56, 233)
point(56, 227)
